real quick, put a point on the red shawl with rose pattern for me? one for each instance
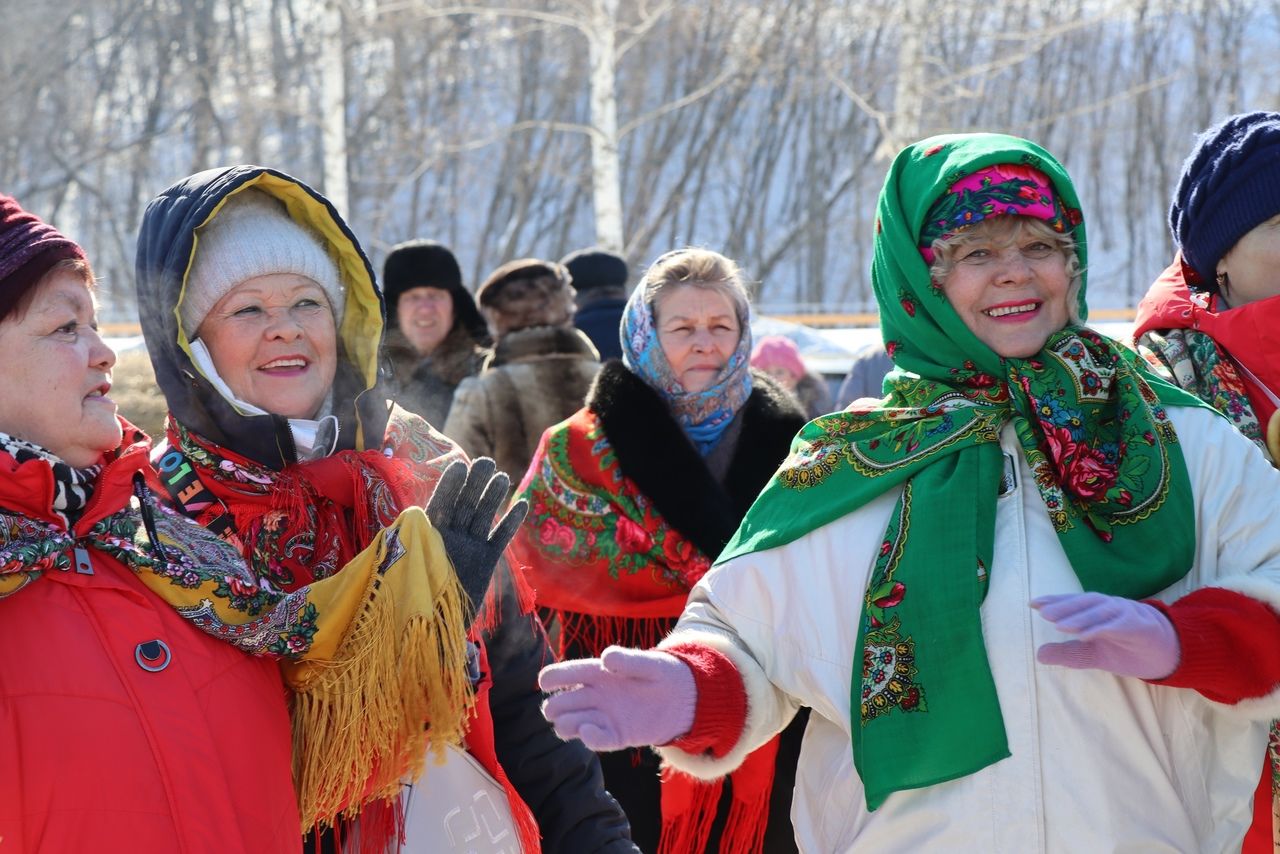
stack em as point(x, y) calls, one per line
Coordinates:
point(614, 555)
point(596, 549)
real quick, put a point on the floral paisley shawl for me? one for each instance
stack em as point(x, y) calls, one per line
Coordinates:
point(613, 571)
point(296, 525)
point(595, 548)
point(1195, 363)
point(1091, 421)
point(371, 655)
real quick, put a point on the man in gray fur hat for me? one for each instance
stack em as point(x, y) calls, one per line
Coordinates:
point(536, 375)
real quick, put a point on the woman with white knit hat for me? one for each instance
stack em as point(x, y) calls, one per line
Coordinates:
point(266, 342)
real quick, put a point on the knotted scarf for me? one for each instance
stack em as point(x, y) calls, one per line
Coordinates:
point(1091, 422)
point(375, 656)
point(703, 415)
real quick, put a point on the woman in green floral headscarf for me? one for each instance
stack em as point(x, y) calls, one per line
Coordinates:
point(890, 575)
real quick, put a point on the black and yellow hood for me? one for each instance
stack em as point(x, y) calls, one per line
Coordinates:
point(167, 243)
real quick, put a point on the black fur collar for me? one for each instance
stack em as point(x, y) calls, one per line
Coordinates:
point(657, 456)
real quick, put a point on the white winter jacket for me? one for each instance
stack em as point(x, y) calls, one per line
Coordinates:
point(1100, 763)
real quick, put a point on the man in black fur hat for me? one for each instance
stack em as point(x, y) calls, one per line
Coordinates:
point(435, 334)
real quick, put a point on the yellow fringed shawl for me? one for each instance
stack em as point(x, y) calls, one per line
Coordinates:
point(376, 655)
point(371, 682)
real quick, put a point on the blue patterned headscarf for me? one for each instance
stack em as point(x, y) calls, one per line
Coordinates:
point(703, 415)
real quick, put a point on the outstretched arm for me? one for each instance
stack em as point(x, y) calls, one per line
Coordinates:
point(559, 780)
point(1223, 639)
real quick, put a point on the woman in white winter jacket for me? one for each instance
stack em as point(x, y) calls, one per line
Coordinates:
point(1030, 597)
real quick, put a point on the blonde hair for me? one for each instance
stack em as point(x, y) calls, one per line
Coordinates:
point(700, 268)
point(1008, 229)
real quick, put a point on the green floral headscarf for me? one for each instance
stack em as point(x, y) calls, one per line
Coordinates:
point(1091, 423)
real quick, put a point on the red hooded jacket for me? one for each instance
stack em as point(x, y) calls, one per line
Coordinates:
point(98, 753)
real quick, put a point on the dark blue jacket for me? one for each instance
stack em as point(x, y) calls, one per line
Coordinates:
point(601, 322)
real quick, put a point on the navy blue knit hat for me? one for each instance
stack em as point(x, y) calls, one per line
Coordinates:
point(596, 268)
point(1229, 184)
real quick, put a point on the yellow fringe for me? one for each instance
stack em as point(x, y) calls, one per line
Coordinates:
point(364, 720)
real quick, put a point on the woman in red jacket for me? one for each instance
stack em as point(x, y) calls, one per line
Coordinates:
point(109, 699)
point(142, 706)
point(1208, 322)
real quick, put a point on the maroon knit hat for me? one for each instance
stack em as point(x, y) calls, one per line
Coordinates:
point(28, 248)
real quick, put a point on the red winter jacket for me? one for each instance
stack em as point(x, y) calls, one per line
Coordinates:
point(98, 753)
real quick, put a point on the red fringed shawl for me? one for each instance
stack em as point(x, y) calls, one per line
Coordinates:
point(612, 571)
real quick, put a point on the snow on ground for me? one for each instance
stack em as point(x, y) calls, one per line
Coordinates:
point(830, 351)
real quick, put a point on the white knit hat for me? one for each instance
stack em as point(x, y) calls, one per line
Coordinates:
point(253, 235)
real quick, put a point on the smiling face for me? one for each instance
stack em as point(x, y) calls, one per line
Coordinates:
point(1008, 279)
point(273, 342)
point(425, 316)
point(698, 330)
point(54, 349)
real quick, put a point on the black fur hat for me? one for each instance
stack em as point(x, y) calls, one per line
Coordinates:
point(425, 263)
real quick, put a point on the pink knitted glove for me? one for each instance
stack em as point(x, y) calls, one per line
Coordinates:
point(624, 698)
point(1121, 635)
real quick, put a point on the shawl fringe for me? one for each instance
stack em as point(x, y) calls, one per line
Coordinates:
point(690, 805)
point(688, 812)
point(358, 719)
point(587, 635)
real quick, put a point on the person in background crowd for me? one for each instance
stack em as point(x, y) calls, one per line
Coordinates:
point(600, 278)
point(866, 375)
point(632, 499)
point(1210, 322)
point(779, 357)
point(537, 373)
point(1063, 571)
point(265, 334)
point(435, 335)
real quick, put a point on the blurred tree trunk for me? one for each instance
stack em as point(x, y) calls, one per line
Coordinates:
point(333, 105)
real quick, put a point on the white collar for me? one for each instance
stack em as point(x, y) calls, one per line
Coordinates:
point(305, 431)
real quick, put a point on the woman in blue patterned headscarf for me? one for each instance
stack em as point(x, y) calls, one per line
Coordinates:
point(632, 498)
point(685, 333)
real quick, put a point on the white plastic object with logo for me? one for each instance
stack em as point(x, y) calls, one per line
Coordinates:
point(455, 808)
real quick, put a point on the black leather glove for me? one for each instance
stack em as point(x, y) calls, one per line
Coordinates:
point(462, 509)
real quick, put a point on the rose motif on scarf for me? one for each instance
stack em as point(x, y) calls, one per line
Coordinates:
point(685, 559)
point(1083, 471)
point(552, 533)
point(631, 537)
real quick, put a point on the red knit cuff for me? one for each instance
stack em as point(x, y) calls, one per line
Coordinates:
point(721, 711)
point(1229, 643)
